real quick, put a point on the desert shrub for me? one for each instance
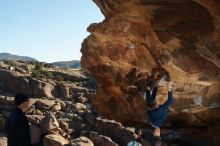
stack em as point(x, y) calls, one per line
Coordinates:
point(36, 74)
point(48, 74)
point(38, 66)
point(10, 62)
point(59, 78)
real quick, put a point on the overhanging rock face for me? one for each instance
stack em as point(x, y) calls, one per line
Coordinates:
point(139, 36)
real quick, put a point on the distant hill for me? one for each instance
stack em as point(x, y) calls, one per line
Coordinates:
point(71, 64)
point(7, 56)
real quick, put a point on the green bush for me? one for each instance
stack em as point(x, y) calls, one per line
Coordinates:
point(48, 74)
point(59, 78)
point(38, 66)
point(10, 62)
point(36, 74)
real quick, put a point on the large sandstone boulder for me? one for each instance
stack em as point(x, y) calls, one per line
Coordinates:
point(139, 36)
point(54, 140)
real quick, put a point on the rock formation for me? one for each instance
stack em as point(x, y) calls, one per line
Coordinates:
point(139, 37)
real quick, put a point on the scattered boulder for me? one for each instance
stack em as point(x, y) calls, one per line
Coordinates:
point(54, 140)
point(63, 105)
point(41, 89)
point(56, 106)
point(49, 124)
point(82, 141)
point(101, 140)
point(44, 104)
point(82, 99)
point(63, 90)
point(64, 126)
point(114, 130)
point(35, 119)
point(80, 106)
point(12, 82)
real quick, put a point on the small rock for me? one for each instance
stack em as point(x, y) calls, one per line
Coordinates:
point(63, 125)
point(63, 105)
point(82, 99)
point(80, 106)
point(56, 106)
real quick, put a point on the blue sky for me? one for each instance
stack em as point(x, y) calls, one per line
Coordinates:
point(48, 30)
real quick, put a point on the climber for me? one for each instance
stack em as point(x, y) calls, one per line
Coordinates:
point(157, 113)
point(18, 130)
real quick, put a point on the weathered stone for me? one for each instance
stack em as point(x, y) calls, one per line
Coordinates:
point(44, 103)
point(63, 105)
point(12, 82)
point(63, 90)
point(56, 106)
point(196, 116)
point(82, 141)
point(63, 125)
point(151, 35)
point(82, 99)
point(54, 140)
point(101, 140)
point(41, 89)
point(80, 106)
point(118, 133)
point(35, 119)
point(49, 123)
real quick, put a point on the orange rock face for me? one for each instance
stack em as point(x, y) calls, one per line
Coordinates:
point(140, 36)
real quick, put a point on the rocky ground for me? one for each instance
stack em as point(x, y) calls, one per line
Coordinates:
point(62, 114)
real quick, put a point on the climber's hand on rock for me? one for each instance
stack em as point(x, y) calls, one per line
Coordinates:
point(169, 86)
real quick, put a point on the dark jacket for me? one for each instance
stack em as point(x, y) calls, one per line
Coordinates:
point(156, 117)
point(18, 129)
